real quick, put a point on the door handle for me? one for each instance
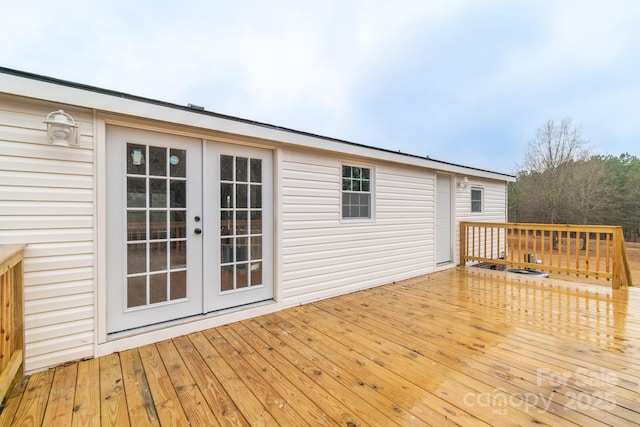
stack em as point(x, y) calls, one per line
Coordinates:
point(198, 231)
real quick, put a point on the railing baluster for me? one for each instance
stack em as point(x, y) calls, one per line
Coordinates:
point(509, 244)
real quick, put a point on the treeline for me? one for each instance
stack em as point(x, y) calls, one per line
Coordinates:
point(580, 189)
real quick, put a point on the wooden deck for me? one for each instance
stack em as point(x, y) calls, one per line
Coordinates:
point(449, 348)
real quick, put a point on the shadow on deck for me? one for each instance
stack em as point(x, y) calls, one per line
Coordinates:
point(463, 346)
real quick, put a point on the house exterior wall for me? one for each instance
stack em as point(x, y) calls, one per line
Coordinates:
point(52, 199)
point(324, 255)
point(494, 206)
point(47, 202)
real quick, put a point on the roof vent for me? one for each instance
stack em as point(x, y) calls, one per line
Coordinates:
point(195, 107)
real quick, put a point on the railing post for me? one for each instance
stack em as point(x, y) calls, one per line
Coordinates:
point(11, 321)
point(463, 243)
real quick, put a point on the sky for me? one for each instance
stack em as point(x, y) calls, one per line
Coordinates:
point(463, 81)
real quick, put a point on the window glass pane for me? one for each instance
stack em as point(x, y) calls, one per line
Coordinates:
point(241, 169)
point(476, 200)
point(136, 258)
point(178, 163)
point(242, 276)
point(157, 288)
point(136, 225)
point(136, 192)
point(241, 195)
point(158, 224)
point(136, 291)
point(226, 168)
point(346, 184)
point(178, 224)
point(365, 186)
point(178, 254)
point(226, 278)
point(158, 256)
point(178, 194)
point(256, 170)
point(241, 222)
point(256, 196)
point(366, 173)
point(157, 161)
point(226, 223)
point(135, 159)
point(346, 171)
point(158, 193)
point(355, 185)
point(355, 172)
point(226, 196)
point(178, 284)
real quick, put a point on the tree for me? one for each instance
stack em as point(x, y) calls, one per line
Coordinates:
point(555, 144)
point(546, 183)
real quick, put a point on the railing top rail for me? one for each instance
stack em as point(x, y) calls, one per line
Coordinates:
point(537, 226)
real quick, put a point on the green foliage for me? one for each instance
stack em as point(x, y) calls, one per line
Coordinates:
point(595, 190)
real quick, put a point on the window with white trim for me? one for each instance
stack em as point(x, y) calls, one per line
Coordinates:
point(476, 200)
point(356, 192)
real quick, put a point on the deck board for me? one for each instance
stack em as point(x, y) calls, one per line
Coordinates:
point(451, 348)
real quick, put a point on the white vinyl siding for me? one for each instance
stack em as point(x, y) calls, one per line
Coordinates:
point(46, 201)
point(324, 256)
point(494, 208)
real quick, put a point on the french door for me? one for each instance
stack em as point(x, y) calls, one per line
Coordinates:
point(187, 228)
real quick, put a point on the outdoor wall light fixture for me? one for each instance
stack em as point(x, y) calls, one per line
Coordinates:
point(463, 183)
point(61, 129)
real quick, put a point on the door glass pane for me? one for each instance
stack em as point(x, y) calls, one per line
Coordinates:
point(226, 223)
point(158, 256)
point(157, 161)
point(256, 273)
point(178, 255)
point(136, 192)
point(256, 196)
point(256, 248)
point(158, 193)
point(226, 196)
point(226, 251)
point(241, 195)
point(242, 275)
point(241, 222)
point(241, 169)
point(178, 224)
point(157, 288)
point(158, 224)
point(136, 225)
point(226, 168)
point(135, 159)
point(136, 291)
point(178, 285)
point(256, 170)
point(242, 249)
point(178, 163)
point(136, 258)
point(226, 278)
point(256, 222)
point(178, 194)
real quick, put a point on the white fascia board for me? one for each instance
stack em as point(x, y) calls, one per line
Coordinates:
point(111, 103)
